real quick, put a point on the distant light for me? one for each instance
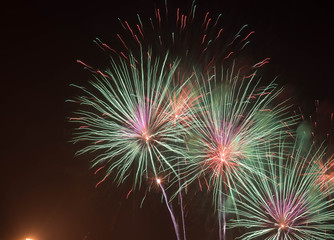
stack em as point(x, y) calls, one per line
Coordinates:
point(29, 239)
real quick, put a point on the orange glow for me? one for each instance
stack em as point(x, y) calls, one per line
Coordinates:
point(158, 181)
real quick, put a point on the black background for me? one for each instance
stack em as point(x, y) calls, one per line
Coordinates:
point(48, 194)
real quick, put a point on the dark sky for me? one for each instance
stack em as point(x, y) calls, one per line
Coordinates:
point(49, 194)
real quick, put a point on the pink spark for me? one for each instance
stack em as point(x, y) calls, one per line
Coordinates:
point(122, 41)
point(127, 24)
point(291, 135)
point(127, 196)
point(248, 36)
point(78, 61)
point(102, 180)
point(209, 63)
point(100, 168)
point(124, 56)
point(184, 22)
point(99, 142)
point(158, 15)
point(177, 15)
point(135, 36)
point(76, 119)
point(105, 45)
point(104, 75)
point(219, 33)
point(139, 29)
point(206, 16)
point(228, 55)
point(199, 183)
point(182, 18)
point(250, 75)
point(203, 39)
point(260, 64)
point(206, 183)
point(207, 24)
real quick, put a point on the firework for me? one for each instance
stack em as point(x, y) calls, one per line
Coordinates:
point(126, 119)
point(182, 116)
point(234, 119)
point(288, 203)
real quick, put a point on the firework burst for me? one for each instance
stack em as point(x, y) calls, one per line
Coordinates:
point(234, 118)
point(127, 120)
point(289, 203)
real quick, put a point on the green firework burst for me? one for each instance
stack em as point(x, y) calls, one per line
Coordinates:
point(126, 119)
point(288, 203)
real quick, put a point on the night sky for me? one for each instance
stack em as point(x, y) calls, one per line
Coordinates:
point(49, 194)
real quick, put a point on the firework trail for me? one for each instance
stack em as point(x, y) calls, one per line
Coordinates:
point(176, 228)
point(289, 203)
point(234, 119)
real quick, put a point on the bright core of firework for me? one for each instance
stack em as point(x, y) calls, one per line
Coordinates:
point(146, 136)
point(158, 181)
point(223, 155)
point(220, 158)
point(282, 225)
